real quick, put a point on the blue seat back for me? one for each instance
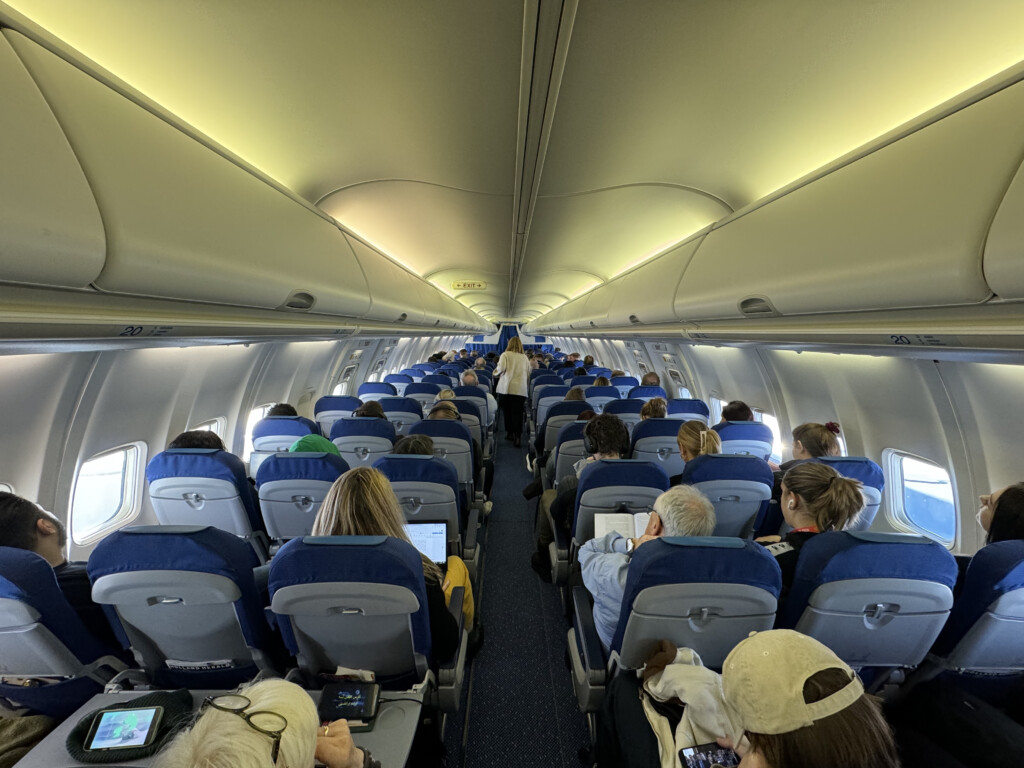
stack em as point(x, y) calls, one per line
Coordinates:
point(985, 631)
point(706, 593)
point(654, 440)
point(442, 380)
point(277, 433)
point(292, 486)
point(353, 601)
point(42, 636)
point(452, 442)
point(423, 392)
point(558, 415)
point(750, 438)
point(583, 381)
point(202, 486)
point(547, 397)
point(628, 410)
point(375, 390)
point(625, 384)
point(568, 448)
point(402, 412)
point(361, 440)
point(872, 479)
point(427, 489)
point(329, 408)
point(599, 397)
point(415, 374)
point(184, 599)
point(739, 487)
point(399, 381)
point(688, 409)
point(426, 367)
point(877, 600)
point(609, 485)
point(647, 393)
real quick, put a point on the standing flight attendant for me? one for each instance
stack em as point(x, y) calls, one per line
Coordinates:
point(514, 370)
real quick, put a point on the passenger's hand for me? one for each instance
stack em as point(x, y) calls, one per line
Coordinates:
point(775, 467)
point(768, 539)
point(642, 540)
point(335, 748)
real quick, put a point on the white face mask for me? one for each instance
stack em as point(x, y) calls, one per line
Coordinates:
point(978, 516)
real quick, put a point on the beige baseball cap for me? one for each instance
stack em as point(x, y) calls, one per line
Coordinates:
point(763, 681)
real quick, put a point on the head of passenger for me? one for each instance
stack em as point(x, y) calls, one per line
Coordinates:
point(469, 379)
point(695, 438)
point(602, 381)
point(415, 445)
point(617, 373)
point(576, 393)
point(813, 440)
point(1002, 514)
point(580, 372)
point(737, 410)
point(586, 416)
point(682, 511)
point(650, 379)
point(480, 363)
point(445, 394)
point(655, 408)
point(361, 503)
point(514, 345)
point(588, 361)
point(197, 438)
point(816, 497)
point(282, 409)
point(800, 706)
point(370, 410)
point(491, 355)
point(314, 444)
point(463, 354)
point(218, 738)
point(606, 437)
point(445, 409)
point(25, 525)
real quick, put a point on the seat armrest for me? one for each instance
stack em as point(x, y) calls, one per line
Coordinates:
point(587, 639)
point(469, 537)
point(450, 673)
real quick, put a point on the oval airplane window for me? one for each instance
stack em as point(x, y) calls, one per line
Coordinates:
point(921, 497)
point(255, 415)
point(106, 493)
point(213, 425)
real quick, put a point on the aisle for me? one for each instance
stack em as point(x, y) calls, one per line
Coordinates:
point(521, 710)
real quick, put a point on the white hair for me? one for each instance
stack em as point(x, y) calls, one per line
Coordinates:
point(685, 511)
point(471, 375)
point(224, 740)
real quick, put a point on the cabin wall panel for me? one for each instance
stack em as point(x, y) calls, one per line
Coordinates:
point(38, 395)
point(51, 232)
point(727, 373)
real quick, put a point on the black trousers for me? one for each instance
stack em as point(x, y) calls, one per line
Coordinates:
point(512, 407)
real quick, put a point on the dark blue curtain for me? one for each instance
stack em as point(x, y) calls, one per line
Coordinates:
point(505, 333)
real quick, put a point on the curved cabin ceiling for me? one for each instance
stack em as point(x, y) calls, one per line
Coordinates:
point(520, 153)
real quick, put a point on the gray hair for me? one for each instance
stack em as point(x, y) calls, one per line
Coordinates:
point(685, 511)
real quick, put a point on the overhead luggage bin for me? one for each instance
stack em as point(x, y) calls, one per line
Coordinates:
point(184, 222)
point(902, 227)
point(51, 232)
point(1004, 248)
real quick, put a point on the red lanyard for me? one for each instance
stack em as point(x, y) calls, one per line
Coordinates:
point(806, 529)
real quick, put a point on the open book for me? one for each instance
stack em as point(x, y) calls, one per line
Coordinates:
point(628, 525)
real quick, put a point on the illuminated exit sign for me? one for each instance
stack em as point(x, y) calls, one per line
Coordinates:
point(469, 285)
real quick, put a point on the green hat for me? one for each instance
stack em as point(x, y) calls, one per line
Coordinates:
point(314, 444)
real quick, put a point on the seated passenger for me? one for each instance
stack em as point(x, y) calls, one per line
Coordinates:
point(470, 379)
point(576, 393)
point(313, 444)
point(361, 503)
point(602, 381)
point(810, 441)
point(679, 511)
point(282, 409)
point(695, 439)
point(588, 361)
point(197, 438)
point(415, 445)
point(736, 410)
point(616, 373)
point(26, 525)
point(650, 379)
point(445, 409)
point(445, 394)
point(272, 722)
point(655, 408)
point(480, 363)
point(370, 410)
point(789, 701)
point(1001, 514)
point(815, 499)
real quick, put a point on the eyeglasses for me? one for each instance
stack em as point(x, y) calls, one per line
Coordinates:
point(268, 723)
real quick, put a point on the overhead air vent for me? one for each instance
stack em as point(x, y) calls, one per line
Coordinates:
point(757, 306)
point(634, 320)
point(401, 318)
point(299, 301)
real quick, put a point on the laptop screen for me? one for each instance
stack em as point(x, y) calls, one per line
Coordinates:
point(430, 538)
